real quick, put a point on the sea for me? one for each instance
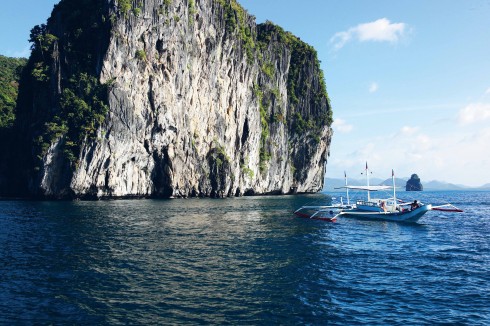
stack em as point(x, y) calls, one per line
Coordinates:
point(242, 261)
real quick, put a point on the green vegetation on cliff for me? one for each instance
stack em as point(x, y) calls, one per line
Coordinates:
point(264, 154)
point(302, 55)
point(63, 72)
point(309, 110)
point(10, 71)
point(124, 6)
point(191, 6)
point(304, 61)
point(235, 20)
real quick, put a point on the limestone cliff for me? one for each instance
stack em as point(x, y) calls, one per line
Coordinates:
point(170, 98)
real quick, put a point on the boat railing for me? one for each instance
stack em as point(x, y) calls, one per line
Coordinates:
point(378, 205)
point(367, 203)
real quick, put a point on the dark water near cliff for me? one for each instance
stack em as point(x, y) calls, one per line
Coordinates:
point(241, 261)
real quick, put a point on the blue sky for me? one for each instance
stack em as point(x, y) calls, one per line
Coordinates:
point(409, 80)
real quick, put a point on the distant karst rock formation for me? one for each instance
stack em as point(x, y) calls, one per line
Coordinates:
point(414, 184)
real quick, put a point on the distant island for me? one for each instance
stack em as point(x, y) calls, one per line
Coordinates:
point(414, 184)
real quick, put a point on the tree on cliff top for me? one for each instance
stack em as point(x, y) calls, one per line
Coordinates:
point(10, 70)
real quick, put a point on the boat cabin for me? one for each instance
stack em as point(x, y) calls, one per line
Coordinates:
point(377, 205)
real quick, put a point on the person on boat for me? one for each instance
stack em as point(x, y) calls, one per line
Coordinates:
point(383, 206)
point(414, 205)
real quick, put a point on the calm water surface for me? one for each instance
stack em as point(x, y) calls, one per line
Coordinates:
point(241, 261)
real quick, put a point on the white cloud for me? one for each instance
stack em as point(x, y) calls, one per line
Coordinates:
point(340, 39)
point(475, 112)
point(373, 87)
point(457, 156)
point(342, 126)
point(409, 131)
point(381, 30)
point(449, 151)
point(487, 91)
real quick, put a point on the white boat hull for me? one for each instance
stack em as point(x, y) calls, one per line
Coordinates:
point(405, 216)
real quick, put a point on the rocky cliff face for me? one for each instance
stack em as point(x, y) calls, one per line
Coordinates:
point(190, 98)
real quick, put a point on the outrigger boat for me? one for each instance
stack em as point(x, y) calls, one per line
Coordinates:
point(389, 209)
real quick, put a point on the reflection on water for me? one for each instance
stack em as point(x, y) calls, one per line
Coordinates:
point(242, 260)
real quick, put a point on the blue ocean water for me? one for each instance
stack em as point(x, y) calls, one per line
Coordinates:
point(241, 261)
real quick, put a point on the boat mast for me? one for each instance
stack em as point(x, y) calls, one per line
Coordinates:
point(393, 181)
point(367, 180)
point(346, 189)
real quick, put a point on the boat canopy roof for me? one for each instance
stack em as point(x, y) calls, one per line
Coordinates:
point(368, 188)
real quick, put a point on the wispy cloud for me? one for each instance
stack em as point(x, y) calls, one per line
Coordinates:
point(414, 150)
point(487, 91)
point(342, 126)
point(381, 30)
point(409, 131)
point(475, 112)
point(373, 87)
